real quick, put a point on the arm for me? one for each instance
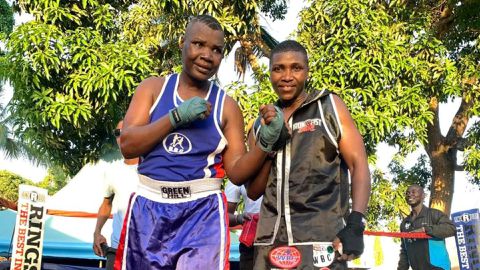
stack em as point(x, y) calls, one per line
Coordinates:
point(442, 226)
point(138, 135)
point(403, 259)
point(256, 187)
point(352, 149)
point(103, 214)
point(233, 195)
point(239, 165)
point(233, 219)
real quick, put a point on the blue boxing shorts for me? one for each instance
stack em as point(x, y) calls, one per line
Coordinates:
point(175, 225)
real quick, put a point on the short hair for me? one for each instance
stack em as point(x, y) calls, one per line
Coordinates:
point(208, 20)
point(289, 46)
point(417, 186)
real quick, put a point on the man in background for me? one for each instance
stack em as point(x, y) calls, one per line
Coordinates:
point(120, 180)
point(251, 208)
point(421, 253)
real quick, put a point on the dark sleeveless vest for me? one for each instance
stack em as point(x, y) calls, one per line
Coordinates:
point(307, 191)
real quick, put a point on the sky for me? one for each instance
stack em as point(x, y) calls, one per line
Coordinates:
point(281, 30)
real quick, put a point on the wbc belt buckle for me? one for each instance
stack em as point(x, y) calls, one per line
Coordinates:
point(176, 192)
point(323, 254)
point(285, 257)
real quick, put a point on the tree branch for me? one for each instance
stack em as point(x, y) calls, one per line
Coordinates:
point(459, 123)
point(433, 129)
point(462, 144)
point(445, 18)
point(459, 168)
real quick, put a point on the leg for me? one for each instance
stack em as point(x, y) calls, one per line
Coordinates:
point(205, 235)
point(246, 257)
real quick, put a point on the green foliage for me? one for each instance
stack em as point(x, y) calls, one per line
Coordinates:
point(71, 87)
point(460, 28)
point(274, 9)
point(73, 79)
point(387, 206)
point(420, 173)
point(55, 180)
point(382, 71)
point(392, 65)
point(74, 67)
point(9, 183)
point(472, 160)
point(250, 98)
point(6, 19)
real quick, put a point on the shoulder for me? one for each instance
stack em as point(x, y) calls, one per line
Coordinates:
point(152, 85)
point(230, 102)
point(153, 81)
point(436, 212)
point(231, 110)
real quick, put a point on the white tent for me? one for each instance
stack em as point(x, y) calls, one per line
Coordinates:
point(83, 193)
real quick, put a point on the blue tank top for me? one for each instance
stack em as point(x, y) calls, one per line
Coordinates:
point(190, 152)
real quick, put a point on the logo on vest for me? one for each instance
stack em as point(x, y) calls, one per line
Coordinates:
point(323, 254)
point(307, 125)
point(175, 192)
point(177, 143)
point(407, 225)
point(285, 257)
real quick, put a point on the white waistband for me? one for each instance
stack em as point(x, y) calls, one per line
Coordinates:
point(168, 191)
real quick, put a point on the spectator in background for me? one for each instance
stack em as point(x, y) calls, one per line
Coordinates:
point(251, 208)
point(421, 253)
point(120, 181)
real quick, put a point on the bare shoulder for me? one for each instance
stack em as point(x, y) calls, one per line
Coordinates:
point(231, 110)
point(231, 103)
point(143, 99)
point(339, 102)
point(152, 86)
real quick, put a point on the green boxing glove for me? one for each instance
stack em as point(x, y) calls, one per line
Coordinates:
point(273, 136)
point(189, 111)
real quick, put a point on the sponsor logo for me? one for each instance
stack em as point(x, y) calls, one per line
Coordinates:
point(466, 217)
point(175, 192)
point(177, 143)
point(285, 257)
point(323, 255)
point(307, 125)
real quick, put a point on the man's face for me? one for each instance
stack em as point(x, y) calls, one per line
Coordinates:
point(202, 51)
point(414, 196)
point(288, 74)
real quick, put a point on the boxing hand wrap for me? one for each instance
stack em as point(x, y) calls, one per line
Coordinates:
point(189, 111)
point(352, 235)
point(274, 135)
point(282, 139)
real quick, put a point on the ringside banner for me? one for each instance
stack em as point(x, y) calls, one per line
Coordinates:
point(29, 229)
point(467, 238)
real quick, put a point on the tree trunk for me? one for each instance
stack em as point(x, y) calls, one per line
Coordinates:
point(442, 151)
point(443, 178)
point(247, 46)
